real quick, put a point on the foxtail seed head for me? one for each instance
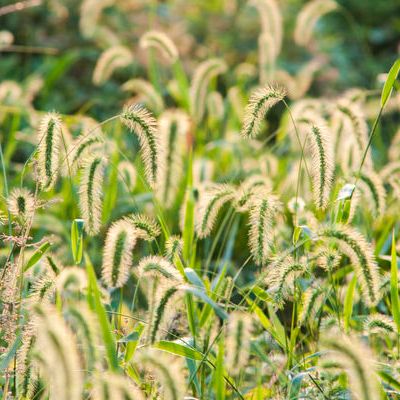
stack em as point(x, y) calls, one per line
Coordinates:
point(50, 136)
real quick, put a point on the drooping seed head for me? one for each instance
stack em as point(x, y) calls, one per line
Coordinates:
point(110, 60)
point(167, 370)
point(380, 324)
point(203, 74)
point(143, 124)
point(212, 199)
point(352, 356)
point(308, 17)
point(282, 276)
point(146, 227)
point(261, 101)
point(353, 245)
point(109, 385)
point(162, 43)
point(148, 94)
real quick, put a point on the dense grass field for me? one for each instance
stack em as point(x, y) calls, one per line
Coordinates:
point(199, 199)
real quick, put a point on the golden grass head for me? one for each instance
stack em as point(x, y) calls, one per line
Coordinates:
point(261, 101)
point(50, 137)
point(21, 203)
point(144, 125)
point(117, 255)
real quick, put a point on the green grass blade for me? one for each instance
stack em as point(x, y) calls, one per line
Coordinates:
point(99, 309)
point(348, 303)
point(390, 80)
point(394, 284)
point(77, 240)
point(37, 255)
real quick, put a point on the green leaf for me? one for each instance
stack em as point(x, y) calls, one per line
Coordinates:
point(219, 371)
point(188, 228)
point(6, 358)
point(348, 303)
point(132, 341)
point(390, 80)
point(267, 324)
point(394, 282)
point(295, 385)
point(193, 278)
point(181, 79)
point(387, 378)
point(179, 349)
point(37, 255)
point(97, 306)
point(296, 234)
point(261, 294)
point(77, 240)
point(203, 296)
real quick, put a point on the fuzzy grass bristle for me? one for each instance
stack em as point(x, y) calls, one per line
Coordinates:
point(110, 60)
point(117, 255)
point(50, 138)
point(146, 227)
point(202, 76)
point(21, 203)
point(262, 213)
point(161, 42)
point(321, 152)
point(353, 245)
point(212, 199)
point(144, 125)
point(260, 102)
point(91, 194)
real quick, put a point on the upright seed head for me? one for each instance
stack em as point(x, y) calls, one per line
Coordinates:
point(50, 136)
point(262, 213)
point(117, 254)
point(173, 128)
point(56, 346)
point(238, 339)
point(91, 194)
point(321, 151)
point(21, 203)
